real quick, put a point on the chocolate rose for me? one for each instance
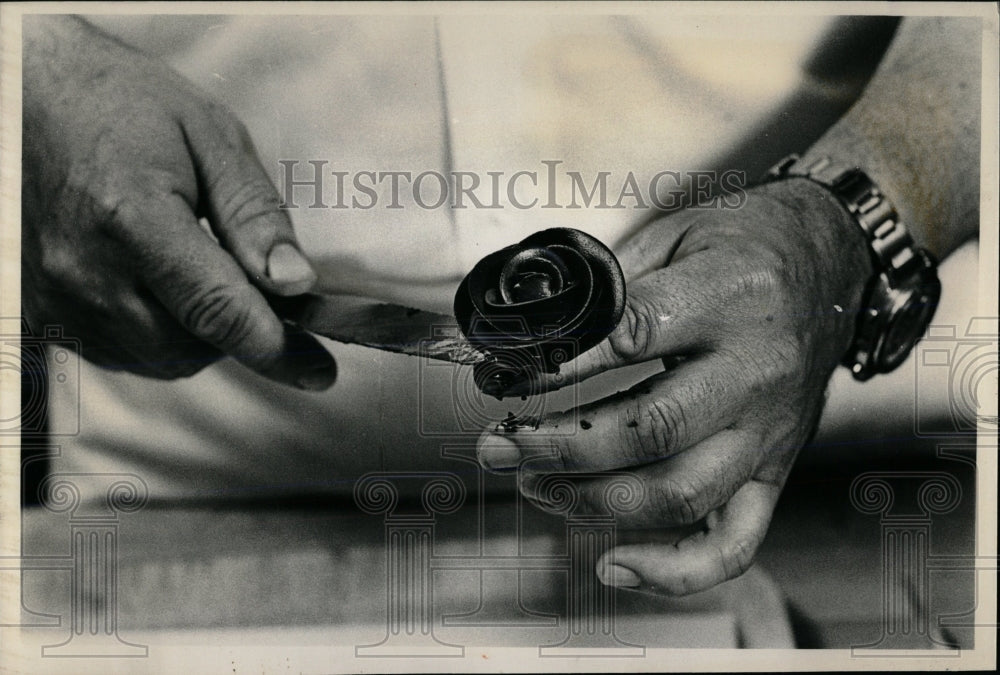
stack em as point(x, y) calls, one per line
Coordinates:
point(533, 305)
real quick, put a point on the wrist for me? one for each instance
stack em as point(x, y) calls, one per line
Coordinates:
point(839, 245)
point(835, 252)
point(902, 290)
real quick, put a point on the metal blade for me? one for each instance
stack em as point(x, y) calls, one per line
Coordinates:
point(391, 328)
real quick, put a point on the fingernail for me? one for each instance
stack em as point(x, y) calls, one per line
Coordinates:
point(305, 363)
point(289, 269)
point(316, 380)
point(497, 452)
point(622, 577)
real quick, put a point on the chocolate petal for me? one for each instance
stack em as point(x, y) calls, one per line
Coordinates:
point(533, 274)
point(533, 305)
point(552, 315)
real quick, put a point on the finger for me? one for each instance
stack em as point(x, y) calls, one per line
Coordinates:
point(677, 491)
point(154, 344)
point(206, 291)
point(670, 311)
point(656, 418)
point(241, 205)
point(121, 328)
point(655, 245)
point(723, 551)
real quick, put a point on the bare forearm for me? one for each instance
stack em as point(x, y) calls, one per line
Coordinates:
point(916, 130)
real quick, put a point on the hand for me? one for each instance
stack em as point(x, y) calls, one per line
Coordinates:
point(122, 157)
point(750, 311)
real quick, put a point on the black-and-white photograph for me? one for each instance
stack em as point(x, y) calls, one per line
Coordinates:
point(501, 337)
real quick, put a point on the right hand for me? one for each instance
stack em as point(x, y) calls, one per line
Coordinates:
point(122, 157)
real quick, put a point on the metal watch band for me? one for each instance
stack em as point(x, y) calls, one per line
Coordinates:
point(889, 241)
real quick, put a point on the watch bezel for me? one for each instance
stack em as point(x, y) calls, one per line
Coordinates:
point(885, 306)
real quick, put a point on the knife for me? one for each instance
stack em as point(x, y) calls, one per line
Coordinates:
point(385, 326)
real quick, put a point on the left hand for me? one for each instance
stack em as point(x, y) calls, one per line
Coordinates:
point(750, 310)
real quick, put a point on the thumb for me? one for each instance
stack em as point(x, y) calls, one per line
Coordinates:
point(241, 205)
point(201, 286)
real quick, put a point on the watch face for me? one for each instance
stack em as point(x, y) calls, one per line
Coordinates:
point(908, 322)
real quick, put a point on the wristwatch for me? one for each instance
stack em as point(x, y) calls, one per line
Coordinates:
point(900, 300)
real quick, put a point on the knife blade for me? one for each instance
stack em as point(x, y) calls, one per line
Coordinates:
point(380, 325)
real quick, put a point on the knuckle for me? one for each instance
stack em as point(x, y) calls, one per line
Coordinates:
point(654, 431)
point(678, 502)
point(91, 197)
point(763, 282)
point(764, 274)
point(766, 266)
point(220, 315)
point(738, 556)
point(109, 207)
point(634, 335)
point(248, 200)
point(561, 453)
